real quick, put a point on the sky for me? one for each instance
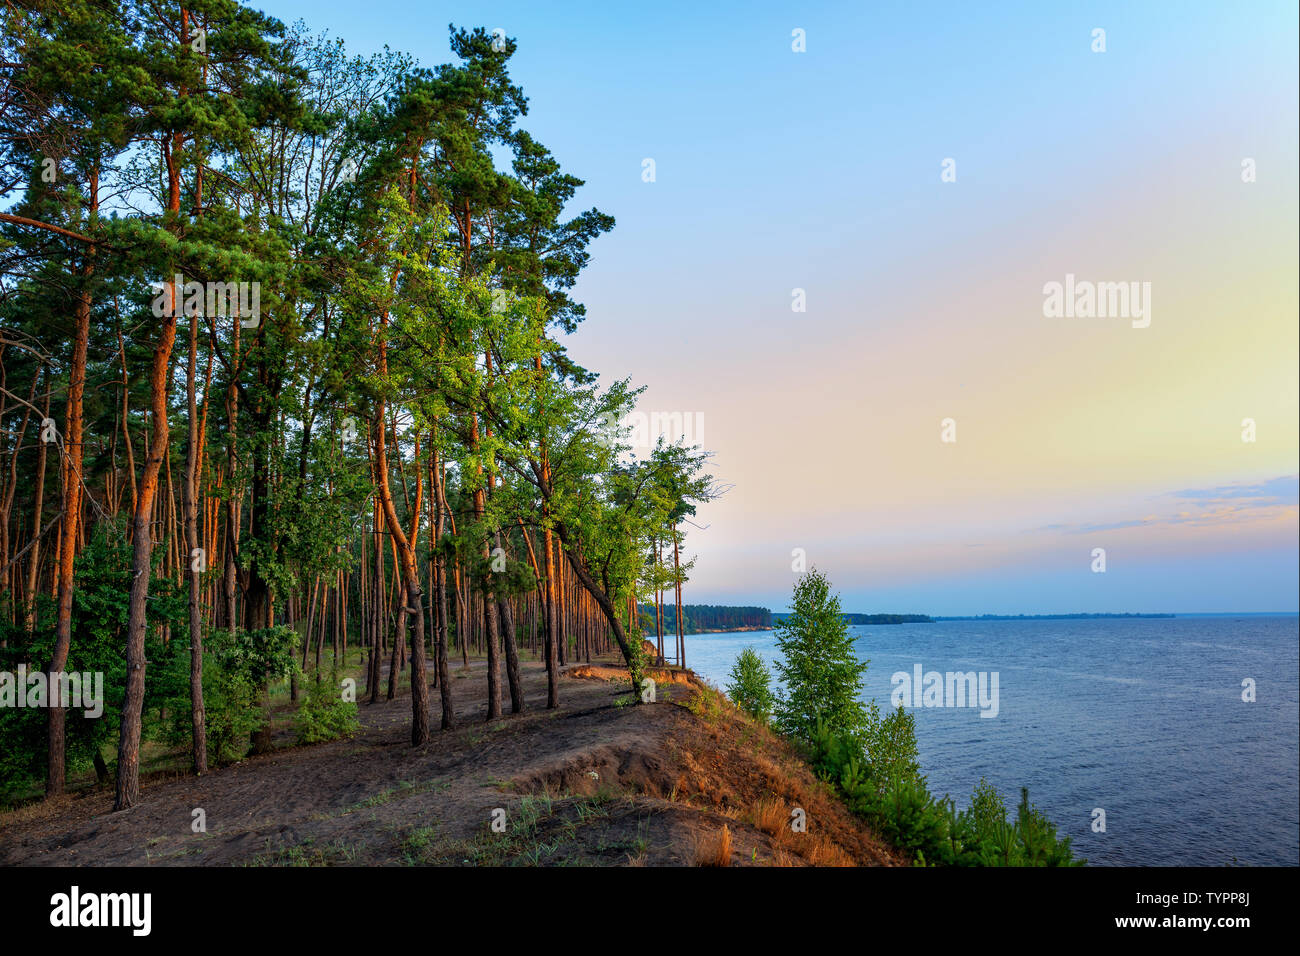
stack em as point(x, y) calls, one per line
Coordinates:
point(923, 172)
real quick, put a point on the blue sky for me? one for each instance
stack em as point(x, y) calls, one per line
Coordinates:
point(820, 171)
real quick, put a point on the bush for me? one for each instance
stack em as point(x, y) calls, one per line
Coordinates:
point(873, 761)
point(232, 712)
point(1038, 840)
point(821, 673)
point(891, 745)
point(237, 666)
point(882, 783)
point(749, 688)
point(324, 714)
point(911, 819)
point(99, 618)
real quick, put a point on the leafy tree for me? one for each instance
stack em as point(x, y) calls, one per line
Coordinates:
point(821, 673)
point(891, 745)
point(408, 286)
point(749, 688)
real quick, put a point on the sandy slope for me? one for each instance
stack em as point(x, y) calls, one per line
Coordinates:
point(594, 782)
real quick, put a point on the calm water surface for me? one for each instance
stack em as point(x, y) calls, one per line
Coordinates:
point(1143, 718)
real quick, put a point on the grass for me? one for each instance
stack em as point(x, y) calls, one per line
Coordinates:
point(540, 830)
point(519, 842)
point(713, 847)
point(708, 703)
point(591, 808)
point(771, 817)
point(335, 853)
point(404, 788)
point(784, 784)
point(641, 847)
point(636, 849)
point(417, 842)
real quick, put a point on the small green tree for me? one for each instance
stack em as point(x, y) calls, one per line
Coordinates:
point(987, 807)
point(891, 747)
point(749, 688)
point(325, 714)
point(821, 674)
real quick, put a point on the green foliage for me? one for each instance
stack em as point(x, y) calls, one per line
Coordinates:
point(324, 714)
point(885, 787)
point(721, 617)
point(236, 668)
point(986, 805)
point(749, 688)
point(263, 655)
point(821, 673)
point(891, 745)
point(873, 759)
point(1038, 840)
point(406, 284)
point(636, 661)
point(908, 817)
point(99, 618)
point(231, 711)
point(707, 704)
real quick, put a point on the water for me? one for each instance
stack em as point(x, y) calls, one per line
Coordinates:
point(1142, 718)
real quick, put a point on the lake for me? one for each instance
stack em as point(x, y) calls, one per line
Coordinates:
point(1143, 718)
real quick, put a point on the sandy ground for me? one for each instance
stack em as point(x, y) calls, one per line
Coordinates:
point(596, 782)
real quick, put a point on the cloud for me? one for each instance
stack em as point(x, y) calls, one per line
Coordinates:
point(1276, 491)
point(1221, 504)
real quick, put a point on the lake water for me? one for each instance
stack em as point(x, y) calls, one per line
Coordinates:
point(1142, 718)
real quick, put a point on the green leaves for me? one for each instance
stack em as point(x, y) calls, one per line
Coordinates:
point(324, 714)
point(820, 671)
point(878, 775)
point(749, 688)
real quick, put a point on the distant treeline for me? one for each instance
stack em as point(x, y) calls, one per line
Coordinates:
point(721, 617)
point(710, 617)
point(874, 618)
point(1045, 617)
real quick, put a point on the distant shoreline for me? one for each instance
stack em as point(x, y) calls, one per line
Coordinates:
point(862, 620)
point(1049, 617)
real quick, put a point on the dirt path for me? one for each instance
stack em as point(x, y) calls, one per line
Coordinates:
point(594, 782)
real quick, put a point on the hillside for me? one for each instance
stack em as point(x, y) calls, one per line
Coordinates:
point(594, 782)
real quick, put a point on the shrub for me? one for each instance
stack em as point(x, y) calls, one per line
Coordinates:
point(882, 783)
point(910, 818)
point(749, 688)
point(1038, 840)
point(636, 663)
point(873, 760)
point(324, 714)
point(986, 805)
point(231, 712)
point(891, 745)
point(99, 618)
point(236, 669)
point(706, 703)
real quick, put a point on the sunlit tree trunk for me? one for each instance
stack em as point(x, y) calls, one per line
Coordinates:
point(128, 751)
point(197, 562)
